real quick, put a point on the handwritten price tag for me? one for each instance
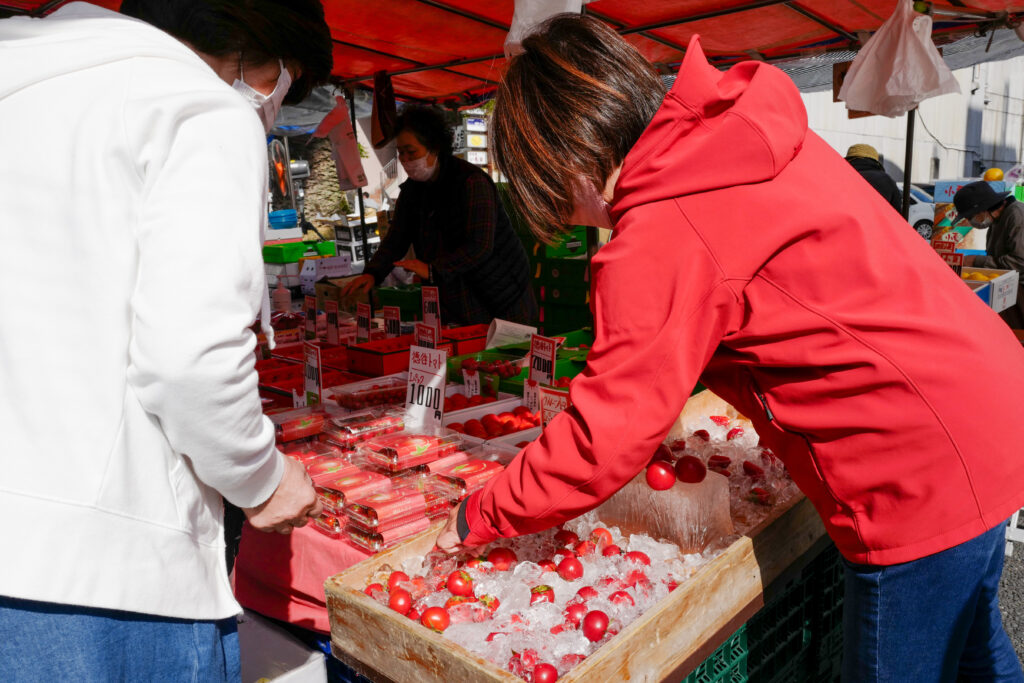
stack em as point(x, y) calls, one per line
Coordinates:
point(552, 402)
point(424, 402)
point(331, 308)
point(392, 321)
point(362, 323)
point(426, 335)
point(471, 380)
point(531, 395)
point(309, 306)
point(542, 359)
point(314, 388)
point(431, 306)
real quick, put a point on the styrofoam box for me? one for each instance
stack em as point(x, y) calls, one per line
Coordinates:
point(505, 404)
point(271, 653)
point(288, 271)
point(509, 440)
point(1002, 292)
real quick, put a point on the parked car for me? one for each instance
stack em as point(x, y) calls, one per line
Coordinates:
point(922, 212)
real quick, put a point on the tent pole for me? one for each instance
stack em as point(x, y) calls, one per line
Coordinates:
point(359, 197)
point(908, 162)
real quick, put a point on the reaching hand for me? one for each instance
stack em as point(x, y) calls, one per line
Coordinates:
point(415, 266)
point(292, 504)
point(360, 284)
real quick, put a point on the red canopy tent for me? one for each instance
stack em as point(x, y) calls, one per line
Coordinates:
point(452, 49)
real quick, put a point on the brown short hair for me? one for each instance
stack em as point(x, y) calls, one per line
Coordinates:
point(574, 102)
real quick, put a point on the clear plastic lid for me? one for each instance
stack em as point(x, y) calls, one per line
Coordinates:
point(470, 476)
point(376, 510)
point(397, 452)
point(329, 468)
point(373, 392)
point(337, 492)
point(307, 450)
point(382, 539)
point(300, 423)
point(348, 431)
point(329, 524)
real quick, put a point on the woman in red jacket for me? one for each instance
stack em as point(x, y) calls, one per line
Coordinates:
point(745, 255)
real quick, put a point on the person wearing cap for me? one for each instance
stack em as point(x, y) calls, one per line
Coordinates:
point(1003, 216)
point(864, 159)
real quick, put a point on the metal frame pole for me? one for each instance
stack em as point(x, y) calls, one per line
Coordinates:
point(908, 162)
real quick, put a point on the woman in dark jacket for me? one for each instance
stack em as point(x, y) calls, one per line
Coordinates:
point(450, 213)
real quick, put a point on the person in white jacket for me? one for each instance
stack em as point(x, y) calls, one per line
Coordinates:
point(131, 212)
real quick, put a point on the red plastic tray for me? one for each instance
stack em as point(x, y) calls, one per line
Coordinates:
point(381, 357)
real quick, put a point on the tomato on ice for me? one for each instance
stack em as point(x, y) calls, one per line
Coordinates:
point(586, 593)
point(460, 583)
point(662, 452)
point(584, 548)
point(436, 619)
point(501, 558)
point(569, 661)
point(660, 475)
point(542, 593)
point(621, 598)
point(396, 578)
point(638, 557)
point(601, 537)
point(564, 538)
point(702, 434)
point(690, 470)
point(753, 470)
point(544, 673)
point(610, 550)
point(734, 433)
point(458, 600)
point(548, 565)
point(570, 569)
point(595, 624)
point(574, 613)
point(373, 588)
point(400, 600)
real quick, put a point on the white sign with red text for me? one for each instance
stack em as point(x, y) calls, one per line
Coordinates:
point(424, 402)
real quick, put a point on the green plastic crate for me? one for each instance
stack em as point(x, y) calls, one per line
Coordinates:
point(408, 298)
point(455, 362)
point(556, 318)
point(329, 248)
point(727, 664)
point(289, 252)
point(1018, 192)
point(572, 243)
point(563, 272)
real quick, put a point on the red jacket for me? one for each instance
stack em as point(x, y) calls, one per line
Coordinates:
point(750, 255)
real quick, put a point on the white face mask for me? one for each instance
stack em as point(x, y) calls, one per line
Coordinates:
point(267, 106)
point(419, 169)
point(589, 207)
point(981, 223)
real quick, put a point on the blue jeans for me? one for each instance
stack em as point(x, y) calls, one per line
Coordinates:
point(931, 620)
point(41, 641)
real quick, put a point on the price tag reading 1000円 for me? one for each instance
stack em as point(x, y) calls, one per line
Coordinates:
point(424, 402)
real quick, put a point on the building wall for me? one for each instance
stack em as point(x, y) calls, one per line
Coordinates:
point(956, 135)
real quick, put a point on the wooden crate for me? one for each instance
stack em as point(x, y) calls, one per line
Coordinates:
point(664, 644)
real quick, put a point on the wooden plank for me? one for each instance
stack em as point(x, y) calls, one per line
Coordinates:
point(677, 633)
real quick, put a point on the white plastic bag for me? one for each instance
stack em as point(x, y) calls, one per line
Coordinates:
point(337, 127)
point(531, 13)
point(898, 68)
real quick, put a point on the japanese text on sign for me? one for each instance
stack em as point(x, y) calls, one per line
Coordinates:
point(331, 308)
point(362, 323)
point(471, 380)
point(542, 359)
point(424, 403)
point(392, 321)
point(309, 306)
point(426, 335)
point(431, 307)
point(552, 402)
point(313, 386)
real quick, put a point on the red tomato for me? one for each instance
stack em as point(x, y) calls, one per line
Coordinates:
point(584, 548)
point(436, 619)
point(396, 578)
point(719, 462)
point(638, 557)
point(373, 588)
point(594, 625)
point(570, 569)
point(542, 593)
point(660, 475)
point(753, 470)
point(501, 558)
point(720, 420)
point(574, 613)
point(400, 600)
point(662, 452)
point(734, 433)
point(621, 598)
point(460, 583)
point(569, 661)
point(476, 563)
point(413, 614)
point(610, 550)
point(548, 565)
point(702, 434)
point(490, 602)
point(458, 600)
point(586, 593)
point(564, 538)
point(690, 470)
point(494, 634)
point(544, 673)
point(601, 537)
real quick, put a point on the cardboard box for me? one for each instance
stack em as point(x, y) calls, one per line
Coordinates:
point(1001, 292)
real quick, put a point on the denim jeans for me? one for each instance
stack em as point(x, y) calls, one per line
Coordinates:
point(43, 642)
point(932, 620)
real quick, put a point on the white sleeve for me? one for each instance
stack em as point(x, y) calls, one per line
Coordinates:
point(202, 162)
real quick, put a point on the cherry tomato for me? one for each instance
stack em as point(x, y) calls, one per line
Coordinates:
point(494, 634)
point(501, 558)
point(542, 593)
point(548, 565)
point(662, 452)
point(564, 538)
point(690, 470)
point(594, 625)
point(569, 661)
point(638, 557)
point(373, 588)
point(734, 433)
point(621, 598)
point(610, 550)
point(570, 569)
point(601, 537)
point(436, 619)
point(660, 475)
point(400, 600)
point(753, 470)
point(586, 593)
point(584, 548)
point(458, 600)
point(702, 434)
point(574, 613)
point(460, 583)
point(544, 673)
point(396, 578)
point(413, 614)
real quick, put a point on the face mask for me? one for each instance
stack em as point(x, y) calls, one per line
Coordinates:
point(981, 223)
point(267, 106)
point(589, 207)
point(419, 169)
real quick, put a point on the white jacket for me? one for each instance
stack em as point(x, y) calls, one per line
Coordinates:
point(131, 206)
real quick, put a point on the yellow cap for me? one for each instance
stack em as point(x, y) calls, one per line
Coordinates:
point(862, 151)
point(993, 174)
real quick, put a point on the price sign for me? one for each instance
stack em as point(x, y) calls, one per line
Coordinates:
point(471, 380)
point(331, 308)
point(542, 370)
point(426, 335)
point(424, 402)
point(392, 321)
point(552, 402)
point(955, 261)
point(314, 389)
point(431, 307)
point(362, 323)
point(309, 306)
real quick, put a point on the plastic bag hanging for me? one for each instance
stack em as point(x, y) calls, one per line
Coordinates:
point(337, 128)
point(529, 14)
point(898, 68)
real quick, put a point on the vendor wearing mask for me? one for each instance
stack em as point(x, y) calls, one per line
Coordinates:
point(1003, 215)
point(450, 213)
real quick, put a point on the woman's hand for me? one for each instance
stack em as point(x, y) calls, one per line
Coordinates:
point(415, 266)
point(449, 541)
point(360, 284)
